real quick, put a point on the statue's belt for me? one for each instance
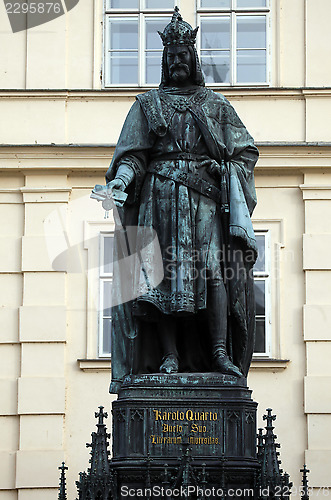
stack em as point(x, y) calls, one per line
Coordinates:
point(193, 181)
point(181, 156)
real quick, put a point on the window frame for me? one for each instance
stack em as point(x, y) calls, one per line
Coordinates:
point(266, 277)
point(276, 245)
point(103, 277)
point(107, 49)
point(234, 12)
point(141, 14)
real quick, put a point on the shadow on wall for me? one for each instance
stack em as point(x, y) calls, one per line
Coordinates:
point(25, 14)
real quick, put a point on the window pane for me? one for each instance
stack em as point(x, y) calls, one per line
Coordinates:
point(251, 32)
point(123, 4)
point(153, 67)
point(260, 341)
point(159, 4)
point(260, 297)
point(215, 33)
point(216, 4)
point(124, 67)
point(106, 325)
point(153, 40)
point(260, 262)
point(251, 66)
point(107, 285)
point(108, 243)
point(216, 66)
point(251, 3)
point(123, 34)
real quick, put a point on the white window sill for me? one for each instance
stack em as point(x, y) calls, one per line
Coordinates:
point(275, 365)
point(94, 365)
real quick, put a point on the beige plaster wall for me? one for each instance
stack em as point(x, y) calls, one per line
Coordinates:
point(282, 389)
point(89, 118)
point(58, 54)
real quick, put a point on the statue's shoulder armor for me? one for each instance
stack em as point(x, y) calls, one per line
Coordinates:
point(146, 96)
point(216, 99)
point(154, 111)
point(219, 108)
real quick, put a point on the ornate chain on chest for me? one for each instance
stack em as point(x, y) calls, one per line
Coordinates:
point(181, 103)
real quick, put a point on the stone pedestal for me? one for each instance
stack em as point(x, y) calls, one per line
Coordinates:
point(185, 428)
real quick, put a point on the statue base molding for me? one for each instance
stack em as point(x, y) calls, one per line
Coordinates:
point(185, 429)
point(184, 436)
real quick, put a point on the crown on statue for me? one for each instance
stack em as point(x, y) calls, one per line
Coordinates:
point(178, 32)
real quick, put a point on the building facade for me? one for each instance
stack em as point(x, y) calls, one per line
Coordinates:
point(66, 87)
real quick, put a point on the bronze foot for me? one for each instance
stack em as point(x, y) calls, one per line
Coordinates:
point(223, 365)
point(170, 364)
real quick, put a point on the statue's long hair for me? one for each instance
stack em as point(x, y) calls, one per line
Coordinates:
point(197, 75)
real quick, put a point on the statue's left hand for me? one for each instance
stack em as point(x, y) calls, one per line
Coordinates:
point(116, 183)
point(116, 191)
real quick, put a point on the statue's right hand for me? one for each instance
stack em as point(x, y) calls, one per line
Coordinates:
point(216, 170)
point(116, 183)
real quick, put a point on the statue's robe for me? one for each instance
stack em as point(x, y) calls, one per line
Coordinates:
point(175, 131)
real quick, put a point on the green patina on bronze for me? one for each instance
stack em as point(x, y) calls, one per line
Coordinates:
point(186, 161)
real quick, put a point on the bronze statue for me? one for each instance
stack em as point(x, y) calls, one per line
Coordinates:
point(186, 162)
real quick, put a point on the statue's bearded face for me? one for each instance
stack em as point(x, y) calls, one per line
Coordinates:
point(179, 62)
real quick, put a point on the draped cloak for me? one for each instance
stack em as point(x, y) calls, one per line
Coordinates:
point(164, 129)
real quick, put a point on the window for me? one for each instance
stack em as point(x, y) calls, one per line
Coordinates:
point(106, 277)
point(233, 41)
point(262, 295)
point(133, 48)
point(98, 241)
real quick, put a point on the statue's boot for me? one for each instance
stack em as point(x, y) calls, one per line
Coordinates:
point(167, 337)
point(170, 364)
point(217, 320)
point(222, 362)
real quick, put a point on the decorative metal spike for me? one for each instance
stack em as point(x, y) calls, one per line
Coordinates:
point(99, 454)
point(269, 418)
point(101, 415)
point(99, 481)
point(62, 488)
point(272, 476)
point(305, 488)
